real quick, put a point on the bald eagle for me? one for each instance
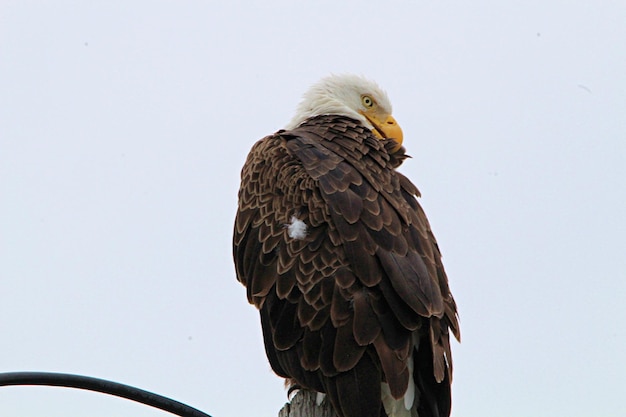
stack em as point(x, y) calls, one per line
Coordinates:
point(338, 256)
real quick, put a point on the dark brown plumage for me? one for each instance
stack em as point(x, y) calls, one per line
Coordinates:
point(346, 305)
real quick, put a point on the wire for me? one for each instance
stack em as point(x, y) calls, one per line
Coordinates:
point(100, 385)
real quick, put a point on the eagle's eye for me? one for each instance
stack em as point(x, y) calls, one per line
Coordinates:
point(367, 101)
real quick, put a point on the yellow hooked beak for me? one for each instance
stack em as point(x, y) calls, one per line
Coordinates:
point(385, 129)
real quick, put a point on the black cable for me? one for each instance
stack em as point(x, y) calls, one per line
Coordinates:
point(100, 385)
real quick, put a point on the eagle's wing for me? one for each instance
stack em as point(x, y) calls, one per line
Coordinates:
point(343, 305)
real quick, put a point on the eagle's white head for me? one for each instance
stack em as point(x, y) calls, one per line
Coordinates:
point(351, 96)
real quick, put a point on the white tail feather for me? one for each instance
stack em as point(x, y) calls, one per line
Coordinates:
point(409, 395)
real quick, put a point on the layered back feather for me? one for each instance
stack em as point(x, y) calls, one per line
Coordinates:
point(357, 305)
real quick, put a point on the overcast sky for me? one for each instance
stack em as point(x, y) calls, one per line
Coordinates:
point(123, 128)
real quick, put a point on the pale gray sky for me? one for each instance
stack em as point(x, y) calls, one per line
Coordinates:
point(123, 127)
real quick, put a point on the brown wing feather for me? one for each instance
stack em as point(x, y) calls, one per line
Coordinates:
point(344, 307)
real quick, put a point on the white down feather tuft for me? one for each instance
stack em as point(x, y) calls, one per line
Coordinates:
point(296, 229)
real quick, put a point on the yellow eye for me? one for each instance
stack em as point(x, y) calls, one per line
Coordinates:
point(367, 101)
